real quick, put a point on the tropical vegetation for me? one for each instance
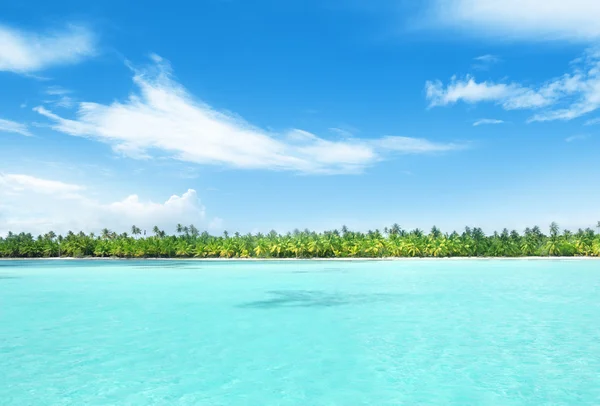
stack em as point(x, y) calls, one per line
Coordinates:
point(189, 242)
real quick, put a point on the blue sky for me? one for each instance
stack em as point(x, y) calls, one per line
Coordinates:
point(263, 115)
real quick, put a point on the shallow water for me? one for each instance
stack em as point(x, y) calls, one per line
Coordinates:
point(300, 333)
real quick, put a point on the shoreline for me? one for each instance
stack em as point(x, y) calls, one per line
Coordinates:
point(384, 259)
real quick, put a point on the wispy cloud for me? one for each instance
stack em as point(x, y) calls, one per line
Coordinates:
point(163, 116)
point(343, 132)
point(29, 52)
point(579, 137)
point(61, 96)
point(61, 100)
point(57, 91)
point(487, 58)
point(25, 183)
point(485, 62)
point(409, 145)
point(569, 96)
point(14, 127)
point(510, 96)
point(64, 101)
point(39, 205)
point(520, 19)
point(485, 121)
point(593, 121)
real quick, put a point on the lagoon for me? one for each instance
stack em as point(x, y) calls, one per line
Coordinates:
point(426, 332)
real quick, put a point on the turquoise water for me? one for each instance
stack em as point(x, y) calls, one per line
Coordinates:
point(300, 333)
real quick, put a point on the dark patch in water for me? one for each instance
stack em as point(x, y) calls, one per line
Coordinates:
point(313, 298)
point(9, 277)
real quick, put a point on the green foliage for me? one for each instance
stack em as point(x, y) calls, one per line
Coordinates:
point(394, 242)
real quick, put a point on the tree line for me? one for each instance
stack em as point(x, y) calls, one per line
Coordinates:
point(394, 241)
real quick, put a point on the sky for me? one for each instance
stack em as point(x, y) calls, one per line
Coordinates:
point(252, 116)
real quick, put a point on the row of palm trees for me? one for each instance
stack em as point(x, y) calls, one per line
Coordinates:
point(392, 242)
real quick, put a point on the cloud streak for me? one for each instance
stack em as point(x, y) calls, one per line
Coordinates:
point(16, 183)
point(27, 52)
point(579, 137)
point(593, 121)
point(485, 62)
point(409, 145)
point(9, 126)
point(520, 19)
point(487, 121)
point(163, 118)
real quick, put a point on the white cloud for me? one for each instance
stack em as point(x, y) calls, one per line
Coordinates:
point(57, 91)
point(415, 145)
point(14, 127)
point(487, 58)
point(61, 101)
point(511, 96)
point(28, 52)
point(37, 205)
point(164, 117)
point(484, 62)
point(59, 97)
point(593, 121)
point(16, 183)
point(183, 209)
point(579, 137)
point(521, 19)
point(566, 114)
point(485, 121)
point(64, 101)
point(342, 132)
point(569, 96)
point(467, 90)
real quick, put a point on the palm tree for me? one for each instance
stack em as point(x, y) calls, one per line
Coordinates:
point(554, 230)
point(261, 248)
point(435, 232)
point(552, 246)
point(106, 233)
point(412, 248)
point(135, 230)
point(193, 230)
point(183, 249)
point(306, 244)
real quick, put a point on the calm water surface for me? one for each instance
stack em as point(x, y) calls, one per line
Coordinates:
point(300, 333)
